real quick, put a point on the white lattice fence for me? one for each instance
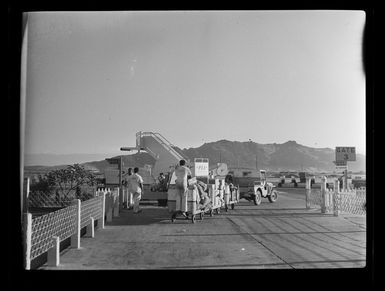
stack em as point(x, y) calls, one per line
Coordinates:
point(329, 201)
point(315, 198)
point(91, 208)
point(111, 201)
point(61, 223)
point(41, 199)
point(353, 202)
point(44, 233)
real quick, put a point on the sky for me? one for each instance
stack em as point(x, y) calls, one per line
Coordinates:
point(94, 79)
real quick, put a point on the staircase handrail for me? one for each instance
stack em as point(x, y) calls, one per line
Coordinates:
point(168, 147)
point(164, 141)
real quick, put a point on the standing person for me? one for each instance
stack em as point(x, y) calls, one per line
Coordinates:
point(129, 192)
point(162, 182)
point(136, 185)
point(181, 173)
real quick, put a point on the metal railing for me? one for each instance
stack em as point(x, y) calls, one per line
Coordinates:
point(352, 201)
point(91, 208)
point(171, 146)
point(163, 141)
point(61, 223)
point(43, 234)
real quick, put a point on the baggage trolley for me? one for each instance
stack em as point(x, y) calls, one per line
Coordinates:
point(190, 204)
point(216, 197)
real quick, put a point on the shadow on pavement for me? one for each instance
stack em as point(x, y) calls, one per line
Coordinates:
point(149, 215)
point(158, 214)
point(256, 208)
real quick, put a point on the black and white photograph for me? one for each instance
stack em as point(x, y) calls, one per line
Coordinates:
point(193, 140)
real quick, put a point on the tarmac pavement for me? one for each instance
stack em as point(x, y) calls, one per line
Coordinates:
point(278, 235)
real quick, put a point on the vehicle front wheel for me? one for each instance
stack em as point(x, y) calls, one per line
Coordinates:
point(258, 197)
point(273, 196)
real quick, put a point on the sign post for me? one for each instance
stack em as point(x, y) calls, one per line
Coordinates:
point(343, 155)
point(201, 168)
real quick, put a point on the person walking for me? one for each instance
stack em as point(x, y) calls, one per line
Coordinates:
point(136, 186)
point(128, 186)
point(181, 173)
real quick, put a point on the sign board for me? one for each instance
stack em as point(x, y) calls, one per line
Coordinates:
point(201, 169)
point(341, 168)
point(345, 153)
point(341, 163)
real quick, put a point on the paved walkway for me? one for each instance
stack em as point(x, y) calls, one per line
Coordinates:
point(272, 235)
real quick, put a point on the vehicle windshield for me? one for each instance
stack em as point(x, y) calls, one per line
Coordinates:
point(263, 177)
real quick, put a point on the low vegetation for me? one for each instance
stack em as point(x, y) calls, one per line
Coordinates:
point(68, 183)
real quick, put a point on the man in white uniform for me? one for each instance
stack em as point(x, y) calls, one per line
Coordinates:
point(128, 199)
point(136, 184)
point(181, 173)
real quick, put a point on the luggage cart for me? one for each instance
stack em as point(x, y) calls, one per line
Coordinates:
point(231, 197)
point(216, 197)
point(190, 204)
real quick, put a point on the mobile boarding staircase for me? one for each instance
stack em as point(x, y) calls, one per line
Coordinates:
point(159, 148)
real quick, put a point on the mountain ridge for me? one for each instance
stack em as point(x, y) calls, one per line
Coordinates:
point(288, 156)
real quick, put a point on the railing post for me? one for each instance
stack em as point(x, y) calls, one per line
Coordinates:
point(75, 238)
point(101, 220)
point(336, 198)
point(27, 242)
point(109, 206)
point(90, 230)
point(53, 258)
point(25, 199)
point(323, 194)
point(116, 203)
point(308, 192)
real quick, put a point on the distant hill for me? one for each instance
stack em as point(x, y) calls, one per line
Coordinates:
point(135, 160)
point(62, 159)
point(289, 156)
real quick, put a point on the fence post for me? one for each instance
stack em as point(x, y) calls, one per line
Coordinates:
point(336, 198)
point(116, 203)
point(27, 242)
point(101, 220)
point(75, 238)
point(90, 230)
point(53, 258)
point(25, 199)
point(109, 206)
point(308, 192)
point(323, 194)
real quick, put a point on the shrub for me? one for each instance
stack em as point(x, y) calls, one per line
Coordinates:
point(68, 183)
